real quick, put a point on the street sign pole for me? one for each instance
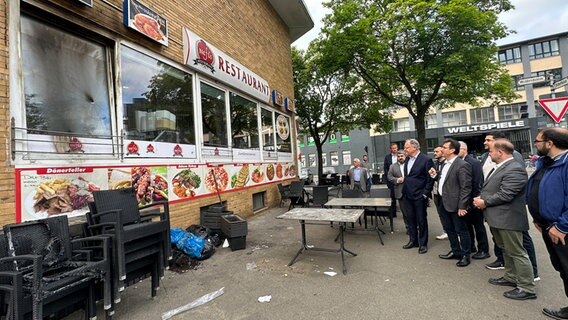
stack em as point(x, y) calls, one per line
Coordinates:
point(552, 94)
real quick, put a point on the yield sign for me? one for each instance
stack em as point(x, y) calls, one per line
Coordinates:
point(555, 107)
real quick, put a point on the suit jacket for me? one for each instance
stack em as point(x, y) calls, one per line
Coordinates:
point(363, 177)
point(504, 196)
point(395, 172)
point(386, 167)
point(456, 191)
point(417, 182)
point(516, 155)
point(476, 175)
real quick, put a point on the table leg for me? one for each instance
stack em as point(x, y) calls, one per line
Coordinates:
point(342, 247)
point(304, 244)
point(377, 227)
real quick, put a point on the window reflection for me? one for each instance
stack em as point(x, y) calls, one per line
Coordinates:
point(65, 81)
point(214, 116)
point(267, 122)
point(244, 122)
point(157, 100)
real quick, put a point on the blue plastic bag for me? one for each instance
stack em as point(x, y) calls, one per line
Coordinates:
point(176, 234)
point(192, 245)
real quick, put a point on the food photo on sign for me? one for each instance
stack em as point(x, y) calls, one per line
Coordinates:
point(144, 20)
point(186, 183)
point(240, 176)
point(45, 193)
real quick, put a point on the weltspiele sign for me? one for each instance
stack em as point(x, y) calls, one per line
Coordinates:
point(487, 127)
point(202, 56)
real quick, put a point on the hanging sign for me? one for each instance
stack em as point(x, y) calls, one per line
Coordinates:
point(144, 20)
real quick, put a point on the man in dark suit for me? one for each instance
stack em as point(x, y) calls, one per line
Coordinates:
point(488, 164)
point(416, 190)
point(474, 217)
point(396, 177)
point(438, 164)
point(389, 160)
point(503, 200)
point(454, 188)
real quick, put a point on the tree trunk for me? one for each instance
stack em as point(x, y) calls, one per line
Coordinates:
point(419, 123)
point(319, 147)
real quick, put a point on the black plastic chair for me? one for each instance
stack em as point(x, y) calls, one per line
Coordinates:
point(320, 196)
point(141, 247)
point(351, 193)
point(54, 276)
point(296, 194)
point(284, 193)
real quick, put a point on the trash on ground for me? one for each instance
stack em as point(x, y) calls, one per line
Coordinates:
point(195, 303)
point(251, 266)
point(264, 299)
point(226, 243)
point(330, 273)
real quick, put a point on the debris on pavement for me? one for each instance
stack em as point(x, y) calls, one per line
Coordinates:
point(330, 273)
point(226, 243)
point(195, 303)
point(251, 266)
point(264, 299)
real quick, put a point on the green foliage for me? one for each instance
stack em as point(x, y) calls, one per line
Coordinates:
point(420, 54)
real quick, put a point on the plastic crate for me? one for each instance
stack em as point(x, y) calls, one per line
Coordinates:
point(233, 225)
point(237, 243)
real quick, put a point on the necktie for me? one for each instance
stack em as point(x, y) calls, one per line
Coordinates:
point(489, 175)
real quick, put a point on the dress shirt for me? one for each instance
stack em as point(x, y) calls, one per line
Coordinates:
point(488, 165)
point(411, 161)
point(394, 158)
point(356, 174)
point(445, 169)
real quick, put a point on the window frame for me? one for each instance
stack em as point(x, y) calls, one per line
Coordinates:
point(537, 49)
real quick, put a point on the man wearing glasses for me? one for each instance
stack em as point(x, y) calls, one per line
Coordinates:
point(547, 202)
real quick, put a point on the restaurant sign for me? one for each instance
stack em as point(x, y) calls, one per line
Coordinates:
point(487, 127)
point(144, 20)
point(202, 56)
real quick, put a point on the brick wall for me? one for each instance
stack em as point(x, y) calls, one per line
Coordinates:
point(249, 31)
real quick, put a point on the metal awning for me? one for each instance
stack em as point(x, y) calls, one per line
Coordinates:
point(295, 15)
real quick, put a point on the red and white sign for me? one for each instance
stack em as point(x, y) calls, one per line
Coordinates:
point(555, 107)
point(202, 56)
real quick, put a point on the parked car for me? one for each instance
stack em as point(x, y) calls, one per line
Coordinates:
point(306, 173)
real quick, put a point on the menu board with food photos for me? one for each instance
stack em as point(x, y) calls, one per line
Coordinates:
point(45, 192)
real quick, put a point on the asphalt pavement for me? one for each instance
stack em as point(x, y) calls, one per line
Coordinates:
point(383, 282)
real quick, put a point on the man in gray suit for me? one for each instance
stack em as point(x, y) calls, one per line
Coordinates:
point(454, 188)
point(396, 177)
point(358, 176)
point(502, 198)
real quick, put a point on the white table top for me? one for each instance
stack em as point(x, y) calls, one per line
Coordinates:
point(321, 214)
point(363, 202)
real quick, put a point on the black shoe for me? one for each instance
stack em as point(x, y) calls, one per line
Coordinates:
point(448, 256)
point(502, 282)
point(410, 245)
point(464, 261)
point(480, 255)
point(473, 250)
point(560, 314)
point(422, 249)
point(519, 294)
point(495, 265)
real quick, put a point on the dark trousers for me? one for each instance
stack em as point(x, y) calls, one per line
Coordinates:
point(527, 244)
point(393, 202)
point(417, 220)
point(456, 228)
point(559, 258)
point(476, 228)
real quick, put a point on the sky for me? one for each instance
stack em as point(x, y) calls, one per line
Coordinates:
point(530, 19)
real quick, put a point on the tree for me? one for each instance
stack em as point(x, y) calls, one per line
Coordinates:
point(330, 100)
point(420, 54)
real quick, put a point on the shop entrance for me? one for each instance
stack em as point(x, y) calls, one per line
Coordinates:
point(474, 144)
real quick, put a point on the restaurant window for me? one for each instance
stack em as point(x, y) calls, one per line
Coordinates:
point(334, 158)
point(214, 116)
point(267, 123)
point(508, 56)
point(66, 84)
point(312, 160)
point(324, 159)
point(481, 115)
point(346, 158)
point(244, 122)
point(283, 134)
point(157, 99)
point(543, 49)
point(454, 118)
point(556, 74)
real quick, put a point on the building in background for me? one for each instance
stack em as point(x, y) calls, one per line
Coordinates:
point(536, 63)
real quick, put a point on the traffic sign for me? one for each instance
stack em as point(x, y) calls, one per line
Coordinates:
point(555, 107)
point(531, 80)
point(560, 83)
